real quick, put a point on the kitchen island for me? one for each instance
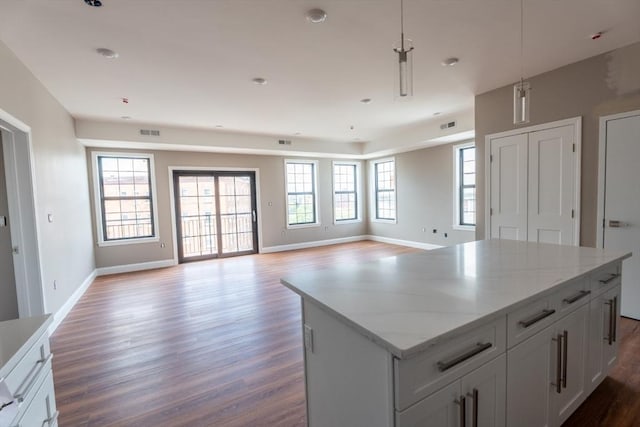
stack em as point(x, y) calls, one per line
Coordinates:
point(487, 333)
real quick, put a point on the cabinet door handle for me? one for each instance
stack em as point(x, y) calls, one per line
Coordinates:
point(536, 318)
point(462, 403)
point(474, 410)
point(558, 383)
point(612, 320)
point(52, 421)
point(576, 297)
point(610, 279)
point(35, 373)
point(448, 364)
point(565, 351)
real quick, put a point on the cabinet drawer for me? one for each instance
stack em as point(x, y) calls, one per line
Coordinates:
point(23, 378)
point(423, 374)
point(605, 278)
point(42, 410)
point(534, 317)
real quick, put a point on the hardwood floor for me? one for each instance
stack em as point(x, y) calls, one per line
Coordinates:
point(213, 343)
point(218, 343)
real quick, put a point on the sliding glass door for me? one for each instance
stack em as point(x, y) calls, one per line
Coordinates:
point(215, 214)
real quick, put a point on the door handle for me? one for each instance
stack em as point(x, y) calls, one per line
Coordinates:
point(462, 402)
point(253, 215)
point(614, 223)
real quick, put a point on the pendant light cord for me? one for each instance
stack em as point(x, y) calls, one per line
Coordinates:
point(402, 24)
point(521, 41)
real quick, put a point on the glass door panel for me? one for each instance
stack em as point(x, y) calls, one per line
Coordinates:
point(216, 214)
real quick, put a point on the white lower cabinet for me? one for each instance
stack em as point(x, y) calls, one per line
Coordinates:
point(603, 344)
point(42, 410)
point(475, 400)
point(545, 375)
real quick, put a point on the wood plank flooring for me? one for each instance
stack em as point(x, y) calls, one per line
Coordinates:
point(218, 343)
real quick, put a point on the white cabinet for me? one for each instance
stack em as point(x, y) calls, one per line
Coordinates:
point(476, 400)
point(42, 410)
point(603, 343)
point(545, 376)
point(534, 185)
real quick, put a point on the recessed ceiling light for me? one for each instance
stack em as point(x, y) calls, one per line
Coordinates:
point(356, 139)
point(437, 113)
point(125, 117)
point(297, 134)
point(259, 81)
point(95, 3)
point(352, 127)
point(219, 126)
point(107, 53)
point(450, 62)
point(316, 16)
point(366, 100)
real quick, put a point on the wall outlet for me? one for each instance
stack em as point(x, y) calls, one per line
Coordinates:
point(162, 245)
point(424, 230)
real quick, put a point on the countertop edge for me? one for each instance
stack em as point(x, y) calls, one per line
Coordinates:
point(26, 346)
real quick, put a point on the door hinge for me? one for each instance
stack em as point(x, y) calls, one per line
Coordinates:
point(573, 213)
point(490, 211)
point(574, 148)
point(490, 158)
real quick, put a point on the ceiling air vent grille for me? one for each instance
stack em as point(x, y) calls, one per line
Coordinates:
point(149, 132)
point(284, 141)
point(448, 125)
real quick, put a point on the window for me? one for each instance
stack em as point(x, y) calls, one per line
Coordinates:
point(384, 176)
point(465, 190)
point(301, 192)
point(125, 202)
point(346, 189)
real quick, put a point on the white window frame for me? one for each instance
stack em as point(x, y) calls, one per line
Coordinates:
point(315, 194)
point(358, 190)
point(372, 181)
point(98, 200)
point(457, 149)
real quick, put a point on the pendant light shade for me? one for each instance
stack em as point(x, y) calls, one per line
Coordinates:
point(404, 85)
point(521, 99)
point(522, 89)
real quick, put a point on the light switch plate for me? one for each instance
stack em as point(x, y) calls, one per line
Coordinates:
point(308, 338)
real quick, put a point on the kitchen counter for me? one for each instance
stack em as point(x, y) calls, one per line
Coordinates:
point(17, 337)
point(410, 302)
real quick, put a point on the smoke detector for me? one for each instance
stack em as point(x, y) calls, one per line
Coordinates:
point(316, 16)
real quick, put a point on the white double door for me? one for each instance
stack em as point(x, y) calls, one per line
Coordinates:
point(534, 186)
point(621, 217)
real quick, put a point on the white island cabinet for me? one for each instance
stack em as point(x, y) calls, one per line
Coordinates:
point(26, 381)
point(487, 333)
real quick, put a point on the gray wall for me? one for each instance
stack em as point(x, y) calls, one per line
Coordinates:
point(271, 189)
point(66, 247)
point(8, 302)
point(599, 86)
point(424, 182)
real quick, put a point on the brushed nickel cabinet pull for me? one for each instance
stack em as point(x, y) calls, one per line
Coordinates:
point(610, 279)
point(448, 364)
point(536, 318)
point(558, 383)
point(565, 351)
point(462, 402)
point(576, 297)
point(52, 421)
point(34, 374)
point(612, 320)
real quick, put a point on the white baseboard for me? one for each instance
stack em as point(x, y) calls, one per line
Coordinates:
point(409, 243)
point(126, 268)
point(62, 312)
point(314, 244)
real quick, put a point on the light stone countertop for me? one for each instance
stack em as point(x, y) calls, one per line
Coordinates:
point(410, 302)
point(16, 338)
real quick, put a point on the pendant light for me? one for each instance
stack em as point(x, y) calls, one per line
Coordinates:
point(522, 89)
point(405, 63)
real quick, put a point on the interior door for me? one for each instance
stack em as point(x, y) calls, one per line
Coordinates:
point(215, 214)
point(509, 187)
point(622, 204)
point(551, 186)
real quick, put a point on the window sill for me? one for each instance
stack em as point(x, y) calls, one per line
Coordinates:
point(128, 241)
point(295, 226)
point(385, 221)
point(464, 227)
point(347, 221)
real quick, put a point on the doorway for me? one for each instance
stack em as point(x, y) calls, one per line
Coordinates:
point(619, 200)
point(215, 214)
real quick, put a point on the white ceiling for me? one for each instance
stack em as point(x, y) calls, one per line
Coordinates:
point(189, 63)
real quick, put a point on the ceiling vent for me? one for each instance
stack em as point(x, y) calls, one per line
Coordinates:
point(149, 132)
point(284, 141)
point(448, 125)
